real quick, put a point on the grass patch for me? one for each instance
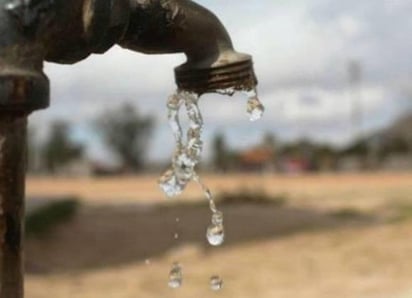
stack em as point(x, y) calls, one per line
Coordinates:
point(44, 219)
point(251, 197)
point(403, 213)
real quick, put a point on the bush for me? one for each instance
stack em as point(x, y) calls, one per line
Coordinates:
point(251, 196)
point(43, 219)
point(403, 212)
point(348, 213)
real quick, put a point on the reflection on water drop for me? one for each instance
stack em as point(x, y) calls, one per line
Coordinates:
point(215, 234)
point(175, 276)
point(255, 109)
point(216, 283)
point(170, 184)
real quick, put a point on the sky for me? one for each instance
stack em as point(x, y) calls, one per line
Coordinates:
point(301, 50)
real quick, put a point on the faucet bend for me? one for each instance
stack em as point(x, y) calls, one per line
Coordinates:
point(182, 26)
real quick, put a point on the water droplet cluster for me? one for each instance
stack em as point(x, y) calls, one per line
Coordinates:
point(187, 155)
point(255, 108)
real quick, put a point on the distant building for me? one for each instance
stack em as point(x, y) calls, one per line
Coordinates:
point(260, 158)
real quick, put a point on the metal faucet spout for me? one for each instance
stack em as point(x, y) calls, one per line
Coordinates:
point(173, 26)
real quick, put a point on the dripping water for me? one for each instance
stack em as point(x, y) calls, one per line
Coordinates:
point(255, 108)
point(185, 159)
point(175, 276)
point(216, 283)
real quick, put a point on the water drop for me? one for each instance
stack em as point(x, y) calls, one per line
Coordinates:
point(177, 219)
point(147, 261)
point(176, 236)
point(174, 102)
point(215, 234)
point(216, 283)
point(175, 276)
point(170, 184)
point(255, 108)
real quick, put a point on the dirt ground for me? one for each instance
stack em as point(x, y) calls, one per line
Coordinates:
point(335, 236)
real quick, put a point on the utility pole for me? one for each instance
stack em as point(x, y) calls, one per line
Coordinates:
point(355, 78)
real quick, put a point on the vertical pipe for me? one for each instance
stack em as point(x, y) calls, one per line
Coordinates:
point(13, 129)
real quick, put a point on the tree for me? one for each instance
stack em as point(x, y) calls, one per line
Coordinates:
point(58, 150)
point(220, 153)
point(269, 141)
point(126, 133)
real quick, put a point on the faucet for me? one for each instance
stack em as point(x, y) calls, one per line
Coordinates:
point(68, 31)
point(158, 27)
point(61, 31)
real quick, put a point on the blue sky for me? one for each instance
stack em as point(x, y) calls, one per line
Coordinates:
point(301, 50)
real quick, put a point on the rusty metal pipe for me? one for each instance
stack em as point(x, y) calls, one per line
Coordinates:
point(12, 169)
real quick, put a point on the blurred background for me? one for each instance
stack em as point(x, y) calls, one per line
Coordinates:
point(317, 195)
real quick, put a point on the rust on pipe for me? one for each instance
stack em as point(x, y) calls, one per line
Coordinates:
point(12, 174)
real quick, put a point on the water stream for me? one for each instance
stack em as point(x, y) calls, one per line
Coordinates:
point(187, 155)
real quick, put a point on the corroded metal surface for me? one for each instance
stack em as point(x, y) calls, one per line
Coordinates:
point(23, 91)
point(12, 169)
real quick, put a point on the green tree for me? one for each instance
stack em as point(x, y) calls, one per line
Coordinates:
point(269, 141)
point(126, 133)
point(58, 150)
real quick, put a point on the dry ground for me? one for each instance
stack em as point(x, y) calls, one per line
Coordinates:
point(336, 236)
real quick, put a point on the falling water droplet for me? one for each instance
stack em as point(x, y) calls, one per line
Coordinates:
point(175, 276)
point(215, 234)
point(216, 283)
point(170, 184)
point(177, 219)
point(255, 108)
point(147, 261)
point(176, 236)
